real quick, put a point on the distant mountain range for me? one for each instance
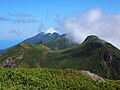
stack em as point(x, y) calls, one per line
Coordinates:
point(60, 41)
point(94, 55)
point(41, 37)
point(54, 41)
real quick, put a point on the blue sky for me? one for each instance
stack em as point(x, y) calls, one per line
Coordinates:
point(20, 19)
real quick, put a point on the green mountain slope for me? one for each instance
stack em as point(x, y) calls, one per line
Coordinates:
point(24, 55)
point(60, 42)
point(93, 54)
point(51, 79)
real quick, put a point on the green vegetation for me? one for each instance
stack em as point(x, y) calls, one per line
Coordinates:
point(60, 42)
point(51, 79)
point(24, 56)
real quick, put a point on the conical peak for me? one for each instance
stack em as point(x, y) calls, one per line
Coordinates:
point(91, 37)
point(95, 39)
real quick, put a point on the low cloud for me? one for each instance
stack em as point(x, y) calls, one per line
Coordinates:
point(50, 30)
point(92, 22)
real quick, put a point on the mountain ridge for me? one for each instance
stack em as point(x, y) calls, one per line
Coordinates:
point(92, 55)
point(41, 37)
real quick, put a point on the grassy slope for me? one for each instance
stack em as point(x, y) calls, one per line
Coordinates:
point(51, 79)
point(87, 56)
point(32, 55)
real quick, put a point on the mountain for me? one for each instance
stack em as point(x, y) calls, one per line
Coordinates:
point(41, 37)
point(54, 41)
point(47, 39)
point(24, 55)
point(94, 55)
point(61, 42)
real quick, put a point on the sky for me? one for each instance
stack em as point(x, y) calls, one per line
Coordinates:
point(21, 19)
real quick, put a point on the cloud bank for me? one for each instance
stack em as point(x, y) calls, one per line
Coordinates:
point(92, 22)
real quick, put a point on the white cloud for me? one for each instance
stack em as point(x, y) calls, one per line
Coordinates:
point(93, 22)
point(93, 15)
point(50, 30)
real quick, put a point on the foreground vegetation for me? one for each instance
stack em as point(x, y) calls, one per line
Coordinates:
point(51, 79)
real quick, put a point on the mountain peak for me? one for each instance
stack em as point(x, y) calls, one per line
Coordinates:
point(49, 34)
point(55, 33)
point(91, 37)
point(95, 39)
point(41, 34)
point(41, 37)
